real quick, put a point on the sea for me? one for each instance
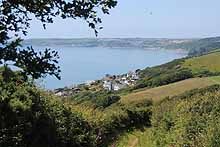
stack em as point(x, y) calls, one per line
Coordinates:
point(82, 64)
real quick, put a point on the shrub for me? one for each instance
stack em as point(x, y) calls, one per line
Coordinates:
point(106, 101)
point(190, 119)
point(126, 119)
point(30, 117)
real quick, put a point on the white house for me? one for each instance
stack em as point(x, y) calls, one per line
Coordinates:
point(107, 85)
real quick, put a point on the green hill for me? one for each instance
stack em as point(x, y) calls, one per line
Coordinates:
point(191, 119)
point(169, 106)
point(197, 47)
point(137, 105)
point(209, 63)
point(186, 120)
point(159, 93)
point(180, 69)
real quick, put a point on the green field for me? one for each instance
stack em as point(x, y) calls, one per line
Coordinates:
point(159, 93)
point(136, 138)
point(155, 94)
point(159, 83)
point(190, 119)
point(209, 62)
point(215, 79)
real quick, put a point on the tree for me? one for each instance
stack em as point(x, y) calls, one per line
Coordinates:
point(15, 21)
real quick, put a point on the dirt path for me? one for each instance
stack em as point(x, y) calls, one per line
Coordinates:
point(134, 143)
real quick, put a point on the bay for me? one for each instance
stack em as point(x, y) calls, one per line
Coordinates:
point(81, 64)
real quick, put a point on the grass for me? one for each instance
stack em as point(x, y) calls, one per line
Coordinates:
point(143, 138)
point(140, 138)
point(209, 62)
point(159, 93)
point(137, 138)
point(215, 79)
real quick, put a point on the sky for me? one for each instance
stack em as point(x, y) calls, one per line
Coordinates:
point(144, 19)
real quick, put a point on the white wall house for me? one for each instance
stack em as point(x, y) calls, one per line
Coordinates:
point(107, 85)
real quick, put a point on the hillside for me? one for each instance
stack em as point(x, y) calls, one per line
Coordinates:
point(209, 62)
point(198, 46)
point(174, 104)
point(194, 47)
point(180, 69)
point(152, 43)
point(159, 93)
point(167, 127)
point(63, 85)
point(191, 119)
point(157, 84)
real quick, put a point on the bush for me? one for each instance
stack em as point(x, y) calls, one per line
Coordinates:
point(100, 99)
point(33, 118)
point(191, 119)
point(165, 78)
point(128, 118)
point(106, 101)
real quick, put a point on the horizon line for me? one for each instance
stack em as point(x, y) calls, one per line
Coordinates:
point(116, 38)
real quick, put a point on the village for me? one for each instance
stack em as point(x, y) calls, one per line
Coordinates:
point(115, 83)
point(109, 82)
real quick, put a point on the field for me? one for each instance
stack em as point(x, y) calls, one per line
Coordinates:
point(136, 138)
point(159, 93)
point(209, 62)
point(139, 96)
point(196, 112)
point(122, 118)
point(206, 63)
point(215, 79)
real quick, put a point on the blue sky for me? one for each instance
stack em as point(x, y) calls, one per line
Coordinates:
point(143, 18)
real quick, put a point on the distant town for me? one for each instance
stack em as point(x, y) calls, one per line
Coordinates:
point(109, 83)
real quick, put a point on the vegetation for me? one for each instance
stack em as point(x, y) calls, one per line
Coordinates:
point(31, 117)
point(163, 74)
point(169, 106)
point(197, 47)
point(15, 17)
point(180, 69)
point(127, 115)
point(204, 64)
point(100, 99)
point(190, 119)
point(109, 122)
point(159, 93)
point(215, 79)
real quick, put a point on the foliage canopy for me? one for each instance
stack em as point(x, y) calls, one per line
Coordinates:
point(15, 17)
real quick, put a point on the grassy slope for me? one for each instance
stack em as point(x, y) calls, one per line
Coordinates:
point(136, 138)
point(156, 94)
point(100, 116)
point(215, 79)
point(207, 62)
point(188, 115)
point(210, 62)
point(159, 93)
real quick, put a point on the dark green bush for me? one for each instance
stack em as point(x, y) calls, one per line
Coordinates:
point(191, 119)
point(106, 101)
point(32, 118)
point(130, 118)
point(165, 78)
point(100, 99)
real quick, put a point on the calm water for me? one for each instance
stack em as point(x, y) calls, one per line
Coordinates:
point(80, 64)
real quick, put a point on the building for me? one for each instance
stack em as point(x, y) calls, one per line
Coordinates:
point(108, 85)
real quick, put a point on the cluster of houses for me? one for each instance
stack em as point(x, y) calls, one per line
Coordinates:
point(115, 83)
point(66, 91)
point(74, 89)
point(110, 83)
